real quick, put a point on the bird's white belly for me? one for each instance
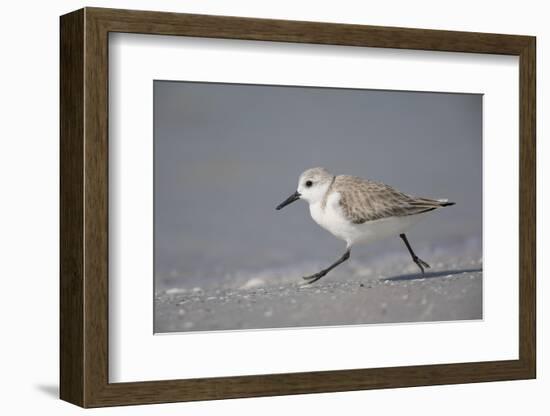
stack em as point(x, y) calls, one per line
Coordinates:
point(332, 219)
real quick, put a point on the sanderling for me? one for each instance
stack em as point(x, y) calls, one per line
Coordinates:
point(358, 210)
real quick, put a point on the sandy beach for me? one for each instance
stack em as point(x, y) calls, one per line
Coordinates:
point(392, 291)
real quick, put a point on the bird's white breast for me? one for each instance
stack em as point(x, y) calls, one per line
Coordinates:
point(332, 218)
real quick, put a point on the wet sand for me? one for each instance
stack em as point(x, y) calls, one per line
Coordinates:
point(391, 292)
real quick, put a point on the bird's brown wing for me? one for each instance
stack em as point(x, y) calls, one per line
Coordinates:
point(362, 200)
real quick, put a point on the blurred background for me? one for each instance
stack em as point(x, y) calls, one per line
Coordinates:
point(227, 154)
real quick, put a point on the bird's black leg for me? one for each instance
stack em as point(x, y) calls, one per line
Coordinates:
point(318, 275)
point(419, 262)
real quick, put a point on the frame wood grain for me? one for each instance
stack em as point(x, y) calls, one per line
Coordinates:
point(84, 207)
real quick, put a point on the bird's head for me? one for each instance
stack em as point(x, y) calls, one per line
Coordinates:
point(312, 186)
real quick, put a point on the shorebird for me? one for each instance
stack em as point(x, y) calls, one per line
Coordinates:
point(360, 211)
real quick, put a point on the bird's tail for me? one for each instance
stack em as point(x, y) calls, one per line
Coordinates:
point(444, 202)
point(427, 204)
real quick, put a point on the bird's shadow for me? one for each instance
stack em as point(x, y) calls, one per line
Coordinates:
point(431, 275)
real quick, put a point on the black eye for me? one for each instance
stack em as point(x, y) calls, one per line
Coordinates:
point(309, 183)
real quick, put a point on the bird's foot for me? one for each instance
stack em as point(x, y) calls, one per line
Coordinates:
point(421, 264)
point(314, 277)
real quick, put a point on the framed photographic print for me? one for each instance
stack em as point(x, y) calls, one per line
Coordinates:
point(255, 207)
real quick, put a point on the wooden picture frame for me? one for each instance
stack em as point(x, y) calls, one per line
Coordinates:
point(84, 207)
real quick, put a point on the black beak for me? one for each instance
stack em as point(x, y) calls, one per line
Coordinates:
point(294, 197)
